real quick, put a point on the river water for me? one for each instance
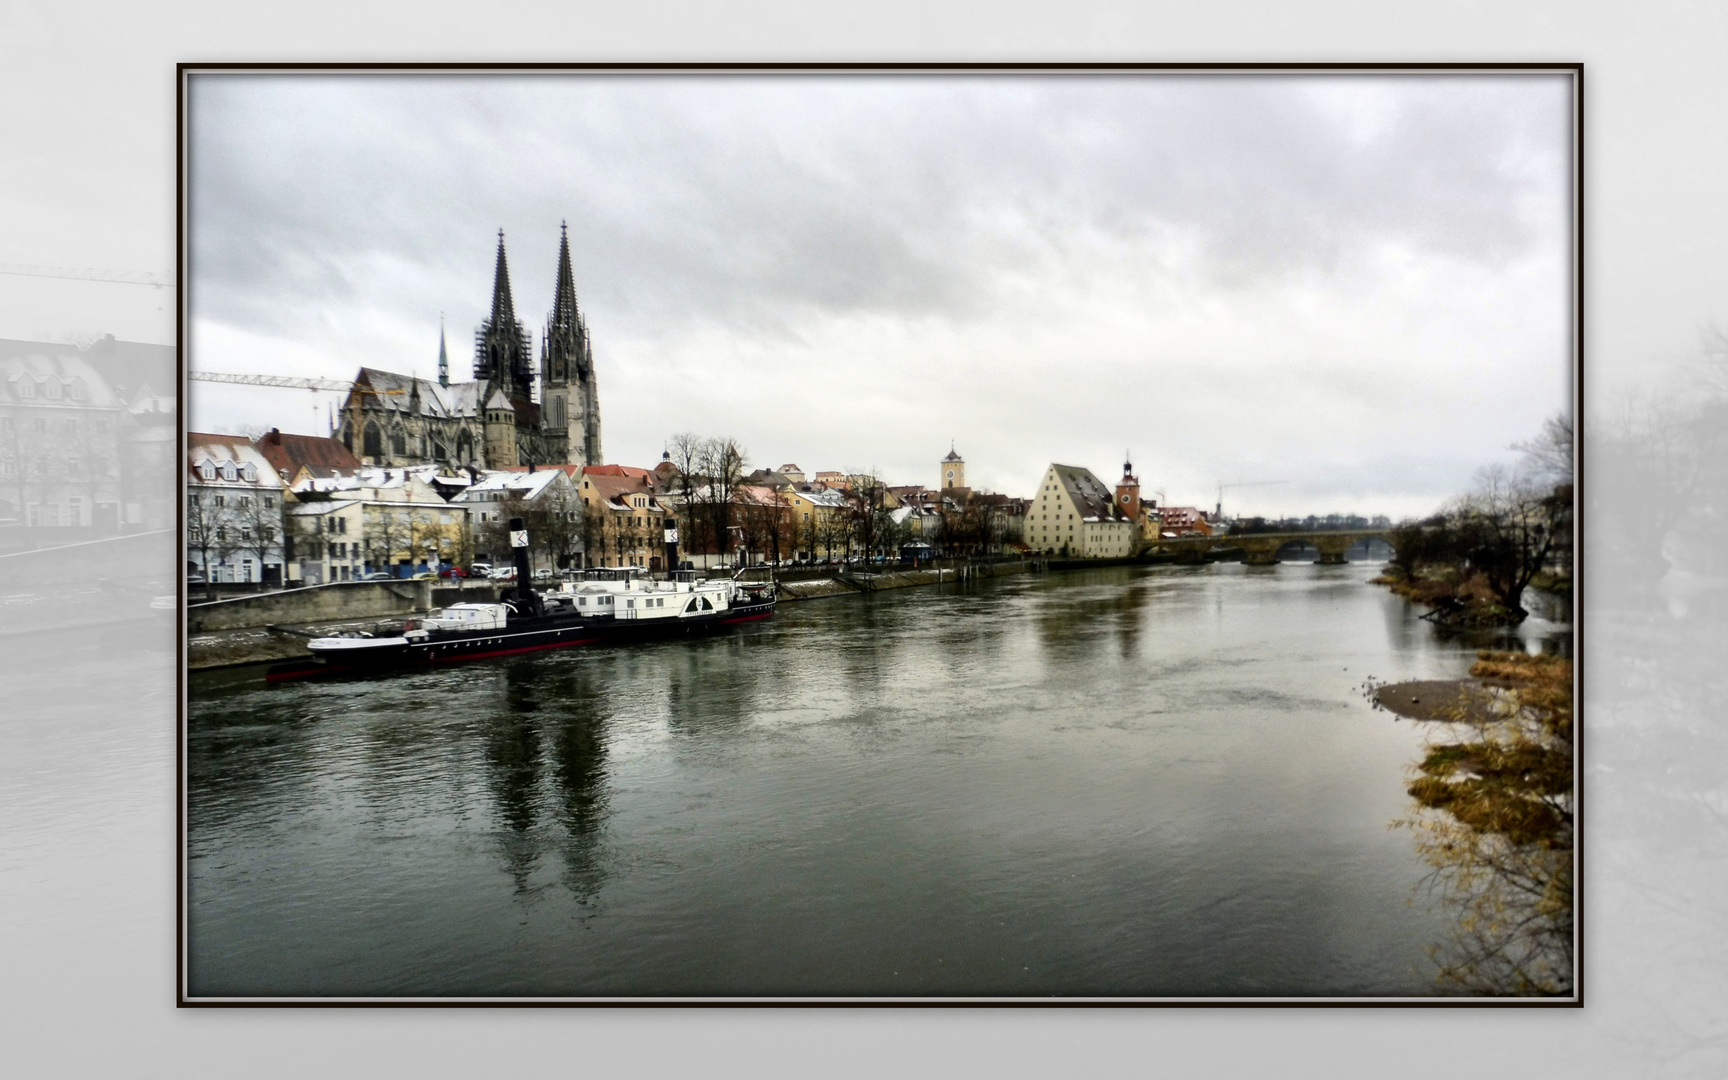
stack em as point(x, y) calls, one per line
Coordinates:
point(1134, 781)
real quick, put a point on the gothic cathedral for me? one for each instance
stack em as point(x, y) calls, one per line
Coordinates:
point(510, 415)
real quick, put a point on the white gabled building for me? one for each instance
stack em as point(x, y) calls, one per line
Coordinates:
point(1074, 514)
point(547, 499)
point(234, 524)
point(399, 522)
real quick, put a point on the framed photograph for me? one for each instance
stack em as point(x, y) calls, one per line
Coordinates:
point(866, 534)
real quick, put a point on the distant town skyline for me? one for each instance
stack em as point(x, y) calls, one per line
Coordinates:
point(1358, 284)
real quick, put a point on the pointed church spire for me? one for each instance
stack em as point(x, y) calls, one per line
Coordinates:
point(503, 309)
point(564, 311)
point(443, 357)
point(501, 347)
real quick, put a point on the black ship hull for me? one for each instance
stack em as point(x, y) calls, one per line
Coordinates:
point(523, 635)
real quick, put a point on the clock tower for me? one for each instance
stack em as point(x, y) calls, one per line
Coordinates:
point(953, 471)
point(1128, 492)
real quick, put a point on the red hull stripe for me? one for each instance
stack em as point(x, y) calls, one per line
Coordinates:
point(511, 652)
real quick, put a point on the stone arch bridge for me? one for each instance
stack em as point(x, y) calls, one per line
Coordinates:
point(1263, 549)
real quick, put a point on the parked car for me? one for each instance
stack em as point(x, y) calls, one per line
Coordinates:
point(376, 575)
point(480, 570)
point(542, 574)
point(504, 573)
point(454, 573)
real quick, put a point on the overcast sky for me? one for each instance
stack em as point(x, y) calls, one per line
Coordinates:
point(1355, 284)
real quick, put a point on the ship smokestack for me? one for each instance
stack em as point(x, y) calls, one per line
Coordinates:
point(524, 572)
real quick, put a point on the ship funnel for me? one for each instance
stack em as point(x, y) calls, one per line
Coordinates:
point(524, 571)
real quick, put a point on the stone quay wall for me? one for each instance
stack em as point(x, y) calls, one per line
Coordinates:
point(316, 603)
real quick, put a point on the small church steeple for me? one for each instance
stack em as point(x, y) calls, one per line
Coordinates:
point(443, 357)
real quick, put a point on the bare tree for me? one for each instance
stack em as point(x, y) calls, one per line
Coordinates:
point(867, 509)
point(1548, 457)
point(555, 524)
point(593, 525)
point(1508, 528)
point(259, 518)
point(722, 465)
point(210, 530)
point(388, 530)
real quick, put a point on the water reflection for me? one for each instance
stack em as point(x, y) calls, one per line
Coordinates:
point(580, 769)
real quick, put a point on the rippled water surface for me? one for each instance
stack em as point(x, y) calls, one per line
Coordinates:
point(1139, 781)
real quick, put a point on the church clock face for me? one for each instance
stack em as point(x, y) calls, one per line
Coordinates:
point(950, 474)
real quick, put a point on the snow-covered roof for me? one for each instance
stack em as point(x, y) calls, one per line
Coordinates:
point(498, 483)
point(401, 393)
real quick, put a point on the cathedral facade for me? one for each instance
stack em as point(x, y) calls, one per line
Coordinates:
point(512, 413)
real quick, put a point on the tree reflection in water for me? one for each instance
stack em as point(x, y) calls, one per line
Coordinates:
point(1494, 819)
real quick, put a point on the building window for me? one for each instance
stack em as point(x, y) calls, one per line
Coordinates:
point(251, 474)
point(26, 388)
point(229, 472)
point(77, 391)
point(206, 470)
point(219, 500)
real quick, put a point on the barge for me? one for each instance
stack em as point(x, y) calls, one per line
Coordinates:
point(608, 606)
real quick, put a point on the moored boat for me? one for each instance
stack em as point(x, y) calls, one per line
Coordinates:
point(606, 606)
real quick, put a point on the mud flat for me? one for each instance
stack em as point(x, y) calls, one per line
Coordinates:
point(1444, 700)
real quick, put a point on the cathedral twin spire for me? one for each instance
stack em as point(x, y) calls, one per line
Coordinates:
point(502, 346)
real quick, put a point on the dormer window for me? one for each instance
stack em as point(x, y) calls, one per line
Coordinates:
point(51, 391)
point(206, 470)
point(229, 472)
point(77, 391)
point(26, 388)
point(251, 474)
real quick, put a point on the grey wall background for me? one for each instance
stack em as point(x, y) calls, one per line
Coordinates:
point(87, 739)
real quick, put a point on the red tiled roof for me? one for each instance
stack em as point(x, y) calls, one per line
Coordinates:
point(572, 471)
point(287, 452)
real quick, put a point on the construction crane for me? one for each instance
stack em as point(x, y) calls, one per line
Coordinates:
point(288, 381)
point(73, 273)
point(1218, 510)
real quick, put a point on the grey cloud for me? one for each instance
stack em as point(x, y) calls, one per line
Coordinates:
point(731, 198)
